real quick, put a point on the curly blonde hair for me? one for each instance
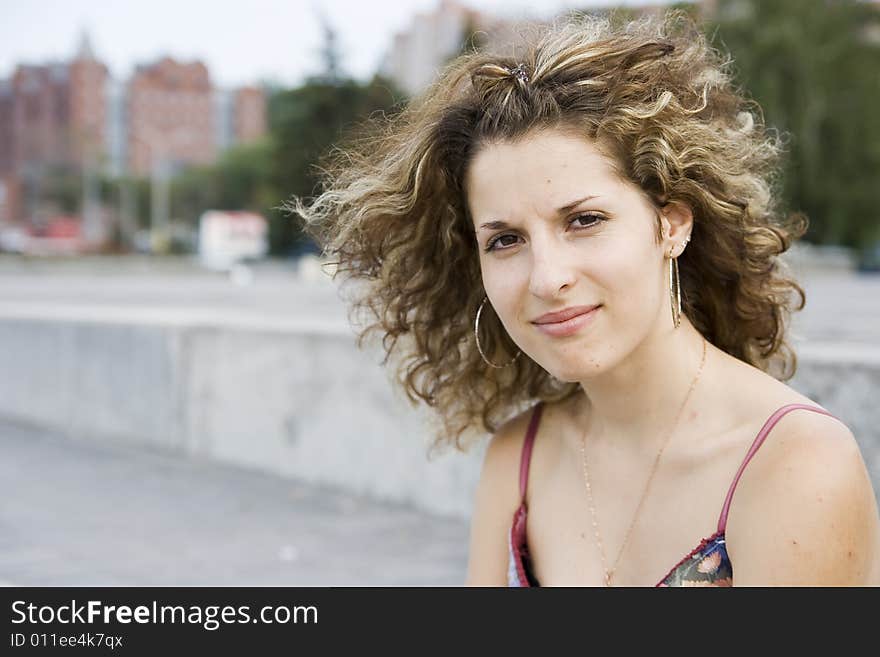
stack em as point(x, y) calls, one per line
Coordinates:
point(393, 213)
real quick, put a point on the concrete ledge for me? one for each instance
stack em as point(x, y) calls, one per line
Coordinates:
point(290, 397)
point(294, 398)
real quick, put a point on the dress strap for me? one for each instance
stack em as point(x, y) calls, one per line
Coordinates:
point(526, 457)
point(762, 434)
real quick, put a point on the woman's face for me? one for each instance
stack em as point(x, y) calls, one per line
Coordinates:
point(575, 235)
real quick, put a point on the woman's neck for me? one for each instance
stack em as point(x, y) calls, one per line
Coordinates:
point(636, 403)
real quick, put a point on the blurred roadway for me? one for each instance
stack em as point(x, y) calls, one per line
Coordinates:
point(841, 307)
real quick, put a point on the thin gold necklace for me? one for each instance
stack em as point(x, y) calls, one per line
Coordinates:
point(609, 573)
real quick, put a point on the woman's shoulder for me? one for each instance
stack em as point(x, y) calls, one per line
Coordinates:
point(496, 500)
point(804, 438)
point(805, 509)
point(797, 435)
point(510, 435)
point(504, 454)
point(501, 461)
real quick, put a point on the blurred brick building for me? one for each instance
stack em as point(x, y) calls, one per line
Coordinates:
point(52, 117)
point(250, 114)
point(170, 116)
point(73, 116)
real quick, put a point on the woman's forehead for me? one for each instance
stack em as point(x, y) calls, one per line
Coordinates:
point(547, 168)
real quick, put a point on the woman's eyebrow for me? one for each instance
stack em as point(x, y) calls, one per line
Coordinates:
point(493, 225)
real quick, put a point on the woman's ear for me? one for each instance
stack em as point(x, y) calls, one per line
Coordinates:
point(677, 220)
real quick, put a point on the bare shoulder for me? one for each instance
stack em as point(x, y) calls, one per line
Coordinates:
point(495, 502)
point(804, 511)
point(501, 461)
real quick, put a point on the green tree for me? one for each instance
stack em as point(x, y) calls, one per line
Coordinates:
point(306, 122)
point(242, 179)
point(813, 67)
point(63, 187)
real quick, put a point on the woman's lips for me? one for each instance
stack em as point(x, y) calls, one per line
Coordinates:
point(569, 326)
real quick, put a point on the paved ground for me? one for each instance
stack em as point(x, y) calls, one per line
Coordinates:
point(76, 513)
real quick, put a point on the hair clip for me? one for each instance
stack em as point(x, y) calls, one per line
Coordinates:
point(520, 72)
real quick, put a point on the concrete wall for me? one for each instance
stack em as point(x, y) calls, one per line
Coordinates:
point(295, 398)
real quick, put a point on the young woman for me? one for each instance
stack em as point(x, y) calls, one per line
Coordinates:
point(576, 250)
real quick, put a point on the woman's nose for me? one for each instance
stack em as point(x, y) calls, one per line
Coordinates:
point(551, 269)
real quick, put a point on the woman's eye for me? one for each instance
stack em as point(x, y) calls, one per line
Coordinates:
point(580, 222)
point(592, 216)
point(495, 240)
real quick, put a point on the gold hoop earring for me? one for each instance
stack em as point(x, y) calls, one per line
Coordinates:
point(477, 339)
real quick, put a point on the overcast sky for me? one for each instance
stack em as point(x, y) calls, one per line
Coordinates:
point(241, 42)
